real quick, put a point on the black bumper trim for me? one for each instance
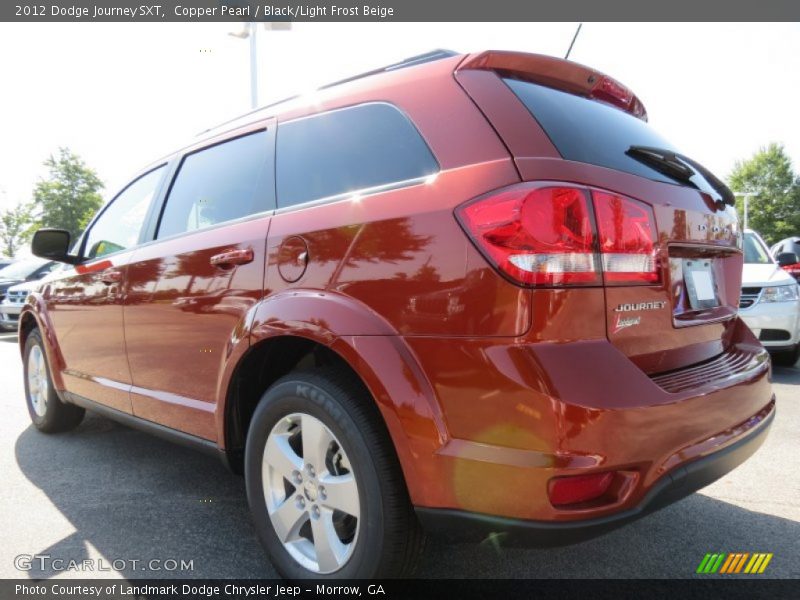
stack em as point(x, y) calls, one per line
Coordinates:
point(457, 525)
point(781, 348)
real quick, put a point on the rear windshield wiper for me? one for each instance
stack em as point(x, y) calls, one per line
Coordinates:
point(681, 168)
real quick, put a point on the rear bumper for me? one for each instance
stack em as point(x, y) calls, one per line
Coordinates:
point(457, 525)
point(518, 415)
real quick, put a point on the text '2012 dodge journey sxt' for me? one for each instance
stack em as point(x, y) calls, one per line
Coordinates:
point(465, 295)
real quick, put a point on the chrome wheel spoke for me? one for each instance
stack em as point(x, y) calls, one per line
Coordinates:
point(287, 519)
point(279, 455)
point(340, 493)
point(316, 441)
point(331, 552)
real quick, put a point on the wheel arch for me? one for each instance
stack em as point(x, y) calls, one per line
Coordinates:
point(34, 316)
point(305, 329)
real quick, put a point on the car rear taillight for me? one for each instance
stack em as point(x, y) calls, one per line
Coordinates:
point(576, 489)
point(536, 235)
point(627, 239)
point(543, 234)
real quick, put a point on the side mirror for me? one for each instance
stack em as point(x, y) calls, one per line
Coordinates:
point(784, 259)
point(53, 244)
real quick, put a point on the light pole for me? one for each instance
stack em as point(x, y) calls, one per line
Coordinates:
point(746, 196)
point(250, 31)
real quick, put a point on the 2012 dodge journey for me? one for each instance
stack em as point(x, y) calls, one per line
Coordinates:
point(464, 295)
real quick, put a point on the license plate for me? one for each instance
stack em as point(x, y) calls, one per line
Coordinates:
point(698, 277)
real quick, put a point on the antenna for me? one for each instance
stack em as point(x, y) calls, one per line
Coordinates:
point(574, 37)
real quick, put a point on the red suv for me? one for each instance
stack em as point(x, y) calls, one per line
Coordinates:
point(470, 295)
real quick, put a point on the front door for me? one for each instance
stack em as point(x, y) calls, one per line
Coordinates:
point(190, 289)
point(84, 302)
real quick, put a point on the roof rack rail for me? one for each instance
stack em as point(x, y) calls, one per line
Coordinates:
point(411, 61)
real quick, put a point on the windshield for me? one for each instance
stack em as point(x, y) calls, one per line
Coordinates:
point(754, 251)
point(22, 269)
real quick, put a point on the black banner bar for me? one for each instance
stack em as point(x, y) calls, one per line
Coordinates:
point(398, 10)
point(711, 587)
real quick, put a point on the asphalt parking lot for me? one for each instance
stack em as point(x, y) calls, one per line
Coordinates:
point(108, 492)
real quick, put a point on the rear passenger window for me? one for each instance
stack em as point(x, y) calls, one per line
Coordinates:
point(346, 150)
point(218, 184)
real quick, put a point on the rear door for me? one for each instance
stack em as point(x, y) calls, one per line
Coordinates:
point(190, 288)
point(688, 314)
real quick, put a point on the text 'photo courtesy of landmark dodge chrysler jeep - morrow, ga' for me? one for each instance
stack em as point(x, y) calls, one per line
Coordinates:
point(463, 295)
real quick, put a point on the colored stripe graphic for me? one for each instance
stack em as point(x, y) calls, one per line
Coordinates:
point(741, 562)
point(732, 558)
point(765, 563)
point(701, 568)
point(734, 562)
point(710, 564)
point(714, 563)
point(749, 568)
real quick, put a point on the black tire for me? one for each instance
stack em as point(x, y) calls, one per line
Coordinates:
point(787, 358)
point(389, 540)
point(57, 416)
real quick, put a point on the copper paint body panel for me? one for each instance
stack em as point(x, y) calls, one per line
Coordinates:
point(484, 385)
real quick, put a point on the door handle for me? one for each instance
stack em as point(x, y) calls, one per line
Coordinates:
point(111, 276)
point(226, 260)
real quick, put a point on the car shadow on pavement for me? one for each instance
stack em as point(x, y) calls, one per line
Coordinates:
point(8, 337)
point(133, 496)
point(129, 496)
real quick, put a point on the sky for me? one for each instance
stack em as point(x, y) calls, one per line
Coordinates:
point(121, 95)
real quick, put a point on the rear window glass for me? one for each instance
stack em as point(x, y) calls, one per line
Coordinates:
point(347, 150)
point(589, 131)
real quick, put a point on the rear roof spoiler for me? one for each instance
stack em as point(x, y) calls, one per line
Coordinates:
point(560, 74)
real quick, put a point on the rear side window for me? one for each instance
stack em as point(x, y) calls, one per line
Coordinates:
point(346, 150)
point(589, 131)
point(217, 184)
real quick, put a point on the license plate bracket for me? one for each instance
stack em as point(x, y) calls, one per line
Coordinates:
point(698, 278)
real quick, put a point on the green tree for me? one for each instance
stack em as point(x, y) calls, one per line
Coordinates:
point(70, 195)
point(15, 228)
point(774, 211)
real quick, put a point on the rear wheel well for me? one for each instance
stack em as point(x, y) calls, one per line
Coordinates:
point(263, 365)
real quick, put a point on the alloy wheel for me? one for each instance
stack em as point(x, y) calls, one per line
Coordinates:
point(311, 493)
point(38, 385)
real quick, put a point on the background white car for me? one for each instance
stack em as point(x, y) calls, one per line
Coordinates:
point(770, 302)
point(26, 276)
point(12, 304)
